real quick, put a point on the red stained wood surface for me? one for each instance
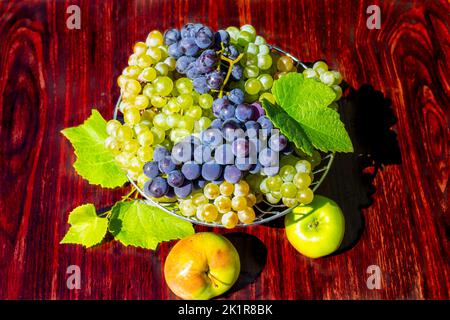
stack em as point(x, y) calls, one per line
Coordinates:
point(394, 189)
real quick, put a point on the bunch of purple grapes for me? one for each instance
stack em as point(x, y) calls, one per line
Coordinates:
point(194, 47)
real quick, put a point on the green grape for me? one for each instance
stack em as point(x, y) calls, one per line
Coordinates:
point(250, 60)
point(303, 166)
point(163, 85)
point(164, 52)
point(288, 190)
point(112, 145)
point(133, 86)
point(147, 117)
point(195, 112)
point(141, 180)
point(162, 69)
point(186, 123)
point(202, 124)
point(145, 138)
point(239, 203)
point(252, 86)
point(302, 180)
point(121, 80)
point(131, 116)
point(167, 144)
point(338, 91)
point(252, 48)
point(251, 71)
point(223, 204)
point(132, 60)
point(139, 48)
point(337, 77)
point(320, 67)
point(209, 212)
point(211, 191)
point(246, 215)
point(173, 106)
point(272, 199)
point(230, 220)
point(264, 49)
point(266, 81)
point(310, 73)
point(131, 146)
point(226, 188)
point(187, 208)
point(327, 78)
point(264, 187)
point(260, 41)
point(154, 39)
point(148, 74)
point(334, 106)
point(171, 63)
point(287, 173)
point(145, 153)
point(149, 89)
point(195, 95)
point(268, 96)
point(305, 196)
point(176, 135)
point(160, 121)
point(173, 120)
point(199, 199)
point(155, 53)
point(285, 64)
point(251, 200)
point(315, 159)
point(290, 202)
point(234, 34)
point(185, 101)
point(264, 61)
point(123, 159)
point(132, 72)
point(112, 126)
point(250, 29)
point(144, 61)
point(241, 188)
point(141, 102)
point(274, 183)
point(184, 85)
point(205, 101)
point(135, 165)
point(124, 133)
point(158, 135)
point(158, 101)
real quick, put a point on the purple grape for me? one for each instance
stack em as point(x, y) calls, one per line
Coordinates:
point(200, 85)
point(218, 105)
point(268, 157)
point(183, 64)
point(170, 192)
point(214, 80)
point(171, 36)
point(244, 164)
point(204, 37)
point(244, 112)
point(232, 174)
point(175, 178)
point(211, 171)
point(188, 30)
point(258, 111)
point(207, 61)
point(157, 188)
point(192, 71)
point(252, 129)
point(237, 72)
point(227, 112)
point(270, 171)
point(265, 123)
point(216, 124)
point(191, 170)
point(182, 152)
point(288, 150)
point(231, 129)
point(184, 191)
point(222, 36)
point(160, 153)
point(200, 183)
point(174, 50)
point(202, 154)
point(166, 165)
point(224, 154)
point(188, 46)
point(278, 142)
point(211, 137)
point(151, 169)
point(240, 147)
point(236, 96)
point(255, 168)
point(231, 52)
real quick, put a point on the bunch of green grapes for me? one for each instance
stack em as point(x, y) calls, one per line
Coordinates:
point(291, 185)
point(226, 203)
point(331, 78)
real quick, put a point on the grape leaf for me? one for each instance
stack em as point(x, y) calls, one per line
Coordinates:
point(288, 126)
point(86, 228)
point(138, 224)
point(94, 162)
point(306, 101)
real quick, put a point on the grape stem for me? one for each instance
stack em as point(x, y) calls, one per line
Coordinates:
point(230, 68)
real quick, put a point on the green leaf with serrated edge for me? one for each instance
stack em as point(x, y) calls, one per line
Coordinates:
point(306, 101)
point(141, 225)
point(94, 162)
point(86, 228)
point(288, 126)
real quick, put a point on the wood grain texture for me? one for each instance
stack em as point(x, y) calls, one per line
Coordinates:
point(394, 189)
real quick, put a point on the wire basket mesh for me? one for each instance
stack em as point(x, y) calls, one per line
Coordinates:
point(264, 211)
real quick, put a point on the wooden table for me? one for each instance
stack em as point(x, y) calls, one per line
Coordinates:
point(394, 188)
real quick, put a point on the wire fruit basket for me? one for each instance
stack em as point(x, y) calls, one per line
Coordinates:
point(264, 211)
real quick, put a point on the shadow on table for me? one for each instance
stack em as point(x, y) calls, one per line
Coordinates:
point(253, 256)
point(368, 117)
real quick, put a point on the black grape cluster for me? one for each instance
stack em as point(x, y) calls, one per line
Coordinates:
point(198, 51)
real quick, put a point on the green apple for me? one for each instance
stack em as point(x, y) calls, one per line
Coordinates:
point(316, 229)
point(202, 266)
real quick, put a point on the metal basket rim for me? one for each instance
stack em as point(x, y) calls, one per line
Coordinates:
point(276, 215)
